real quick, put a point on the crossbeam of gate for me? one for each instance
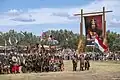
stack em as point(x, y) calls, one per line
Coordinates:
point(77, 14)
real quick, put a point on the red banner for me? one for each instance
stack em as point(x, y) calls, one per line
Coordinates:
point(93, 27)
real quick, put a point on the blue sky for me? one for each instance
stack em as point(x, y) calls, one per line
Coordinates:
point(25, 4)
point(42, 15)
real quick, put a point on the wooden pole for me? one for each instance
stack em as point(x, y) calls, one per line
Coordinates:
point(105, 35)
point(104, 29)
point(104, 23)
point(80, 47)
point(81, 24)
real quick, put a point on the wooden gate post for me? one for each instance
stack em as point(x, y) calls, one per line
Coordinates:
point(81, 24)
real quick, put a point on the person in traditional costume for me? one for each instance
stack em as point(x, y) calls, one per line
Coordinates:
point(75, 61)
point(82, 59)
point(87, 63)
point(15, 67)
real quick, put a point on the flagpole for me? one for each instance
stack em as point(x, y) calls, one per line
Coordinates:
point(41, 39)
point(5, 46)
point(94, 48)
point(10, 43)
point(16, 41)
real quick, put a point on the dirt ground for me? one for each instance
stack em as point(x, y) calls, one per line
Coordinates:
point(98, 71)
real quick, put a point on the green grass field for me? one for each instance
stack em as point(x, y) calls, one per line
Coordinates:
point(98, 71)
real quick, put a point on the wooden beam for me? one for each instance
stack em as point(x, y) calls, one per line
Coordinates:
point(105, 29)
point(81, 24)
point(104, 23)
point(92, 13)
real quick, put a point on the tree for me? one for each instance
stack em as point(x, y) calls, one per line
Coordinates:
point(116, 45)
point(66, 39)
point(111, 39)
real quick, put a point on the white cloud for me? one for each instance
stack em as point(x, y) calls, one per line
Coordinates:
point(114, 20)
point(40, 16)
point(63, 15)
point(14, 11)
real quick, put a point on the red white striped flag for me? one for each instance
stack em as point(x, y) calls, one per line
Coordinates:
point(99, 44)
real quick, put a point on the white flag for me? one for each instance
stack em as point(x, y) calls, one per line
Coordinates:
point(10, 41)
point(5, 43)
point(23, 33)
point(16, 40)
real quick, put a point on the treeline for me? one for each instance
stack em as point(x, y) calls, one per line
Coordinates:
point(66, 39)
point(14, 38)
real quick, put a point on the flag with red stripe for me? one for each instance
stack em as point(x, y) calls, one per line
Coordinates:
point(99, 44)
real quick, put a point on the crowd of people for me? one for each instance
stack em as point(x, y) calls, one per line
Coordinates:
point(38, 62)
point(84, 59)
point(14, 62)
